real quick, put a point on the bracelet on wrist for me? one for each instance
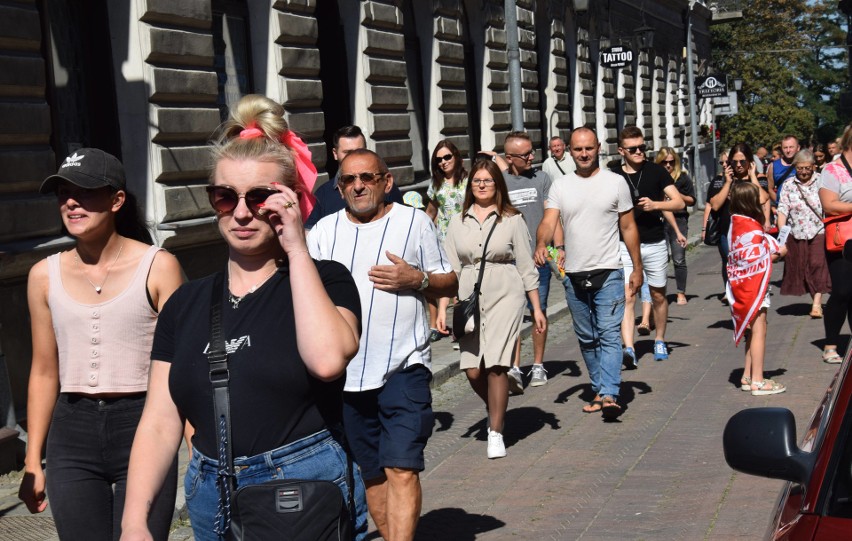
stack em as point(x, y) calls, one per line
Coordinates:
point(560, 247)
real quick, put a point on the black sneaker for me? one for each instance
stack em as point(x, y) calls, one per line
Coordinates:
point(434, 335)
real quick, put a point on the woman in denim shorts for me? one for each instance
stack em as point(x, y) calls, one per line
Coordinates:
point(290, 326)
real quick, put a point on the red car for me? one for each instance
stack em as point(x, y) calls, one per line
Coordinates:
point(816, 503)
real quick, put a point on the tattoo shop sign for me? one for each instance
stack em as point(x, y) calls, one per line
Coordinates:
point(616, 57)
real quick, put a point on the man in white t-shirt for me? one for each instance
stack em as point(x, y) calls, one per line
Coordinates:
point(559, 163)
point(595, 205)
point(395, 258)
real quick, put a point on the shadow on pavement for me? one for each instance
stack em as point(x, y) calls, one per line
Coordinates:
point(842, 345)
point(796, 309)
point(586, 394)
point(519, 424)
point(566, 368)
point(737, 375)
point(453, 523)
point(722, 324)
point(444, 420)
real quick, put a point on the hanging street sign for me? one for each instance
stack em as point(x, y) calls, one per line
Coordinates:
point(616, 57)
point(712, 86)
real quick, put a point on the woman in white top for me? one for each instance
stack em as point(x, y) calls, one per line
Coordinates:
point(93, 309)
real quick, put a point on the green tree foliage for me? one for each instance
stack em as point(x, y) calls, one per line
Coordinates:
point(782, 49)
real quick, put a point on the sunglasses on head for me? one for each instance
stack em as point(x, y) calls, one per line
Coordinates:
point(445, 158)
point(225, 199)
point(366, 178)
point(634, 150)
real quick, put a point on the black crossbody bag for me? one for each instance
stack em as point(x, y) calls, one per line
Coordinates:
point(291, 509)
point(466, 312)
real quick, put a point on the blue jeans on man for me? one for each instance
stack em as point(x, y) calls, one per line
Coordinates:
point(597, 315)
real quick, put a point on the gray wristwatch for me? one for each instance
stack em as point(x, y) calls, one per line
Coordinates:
point(424, 283)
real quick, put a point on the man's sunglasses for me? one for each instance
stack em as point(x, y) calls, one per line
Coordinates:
point(633, 150)
point(445, 158)
point(225, 199)
point(523, 156)
point(366, 178)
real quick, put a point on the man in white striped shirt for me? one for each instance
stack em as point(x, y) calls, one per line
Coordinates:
point(395, 258)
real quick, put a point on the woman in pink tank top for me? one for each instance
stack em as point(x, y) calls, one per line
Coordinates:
point(93, 309)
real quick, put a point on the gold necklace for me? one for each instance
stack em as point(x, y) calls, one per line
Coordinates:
point(98, 288)
point(233, 299)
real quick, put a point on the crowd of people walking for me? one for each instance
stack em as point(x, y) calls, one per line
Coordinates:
point(325, 310)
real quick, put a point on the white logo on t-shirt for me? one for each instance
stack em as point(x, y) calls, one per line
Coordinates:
point(233, 345)
point(524, 196)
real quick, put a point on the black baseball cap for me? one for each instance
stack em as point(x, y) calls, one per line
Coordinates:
point(88, 168)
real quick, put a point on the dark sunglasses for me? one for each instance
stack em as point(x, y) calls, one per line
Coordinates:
point(740, 162)
point(445, 157)
point(669, 162)
point(633, 150)
point(723, 163)
point(225, 199)
point(523, 156)
point(366, 178)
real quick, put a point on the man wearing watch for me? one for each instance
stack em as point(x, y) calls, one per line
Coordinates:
point(395, 258)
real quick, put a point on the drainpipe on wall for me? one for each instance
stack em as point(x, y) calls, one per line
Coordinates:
point(693, 120)
point(515, 91)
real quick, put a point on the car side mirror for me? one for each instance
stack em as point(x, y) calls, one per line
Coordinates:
point(762, 441)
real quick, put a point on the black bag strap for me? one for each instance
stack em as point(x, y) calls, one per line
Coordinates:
point(805, 199)
point(846, 163)
point(482, 261)
point(556, 163)
point(217, 357)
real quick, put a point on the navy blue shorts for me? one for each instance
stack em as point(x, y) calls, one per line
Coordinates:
point(389, 427)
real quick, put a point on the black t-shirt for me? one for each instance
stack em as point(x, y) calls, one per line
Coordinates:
point(649, 182)
point(685, 187)
point(724, 213)
point(274, 400)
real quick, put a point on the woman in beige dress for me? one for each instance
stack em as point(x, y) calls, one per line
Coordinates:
point(510, 276)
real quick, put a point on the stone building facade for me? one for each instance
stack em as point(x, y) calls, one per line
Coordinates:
point(150, 80)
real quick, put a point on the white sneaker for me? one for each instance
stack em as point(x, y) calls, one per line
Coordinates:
point(496, 448)
point(538, 375)
point(516, 381)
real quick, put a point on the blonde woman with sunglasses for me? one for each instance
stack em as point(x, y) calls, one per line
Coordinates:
point(677, 227)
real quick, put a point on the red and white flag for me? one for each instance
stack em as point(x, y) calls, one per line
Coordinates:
point(749, 268)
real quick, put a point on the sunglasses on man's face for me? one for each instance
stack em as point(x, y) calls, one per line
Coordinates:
point(634, 150)
point(225, 199)
point(366, 178)
point(445, 158)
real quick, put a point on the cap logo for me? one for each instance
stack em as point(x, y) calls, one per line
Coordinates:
point(72, 161)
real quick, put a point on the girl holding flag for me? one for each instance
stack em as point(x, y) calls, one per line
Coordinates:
point(749, 268)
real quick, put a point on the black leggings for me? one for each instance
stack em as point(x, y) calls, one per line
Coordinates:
point(839, 306)
point(88, 450)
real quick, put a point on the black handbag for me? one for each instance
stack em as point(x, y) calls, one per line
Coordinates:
point(466, 312)
point(291, 509)
point(712, 234)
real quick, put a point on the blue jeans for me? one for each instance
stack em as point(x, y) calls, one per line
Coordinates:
point(543, 287)
point(317, 456)
point(88, 450)
point(597, 316)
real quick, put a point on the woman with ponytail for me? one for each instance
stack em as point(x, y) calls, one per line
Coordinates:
point(291, 324)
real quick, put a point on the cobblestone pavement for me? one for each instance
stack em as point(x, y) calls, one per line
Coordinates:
point(656, 474)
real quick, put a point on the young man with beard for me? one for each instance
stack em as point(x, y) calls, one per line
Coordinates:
point(653, 191)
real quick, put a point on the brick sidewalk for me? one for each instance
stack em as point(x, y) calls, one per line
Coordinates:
point(659, 473)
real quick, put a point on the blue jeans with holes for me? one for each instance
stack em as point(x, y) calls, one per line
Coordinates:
point(317, 456)
point(597, 316)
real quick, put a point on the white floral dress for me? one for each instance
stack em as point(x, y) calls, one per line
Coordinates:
point(448, 200)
